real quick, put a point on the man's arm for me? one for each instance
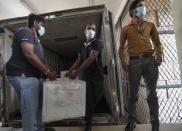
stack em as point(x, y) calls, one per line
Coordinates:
point(86, 63)
point(122, 44)
point(121, 49)
point(157, 44)
point(26, 38)
point(28, 51)
point(75, 65)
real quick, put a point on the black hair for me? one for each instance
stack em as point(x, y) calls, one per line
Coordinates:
point(133, 5)
point(90, 24)
point(32, 17)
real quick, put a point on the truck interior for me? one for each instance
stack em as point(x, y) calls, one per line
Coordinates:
point(61, 42)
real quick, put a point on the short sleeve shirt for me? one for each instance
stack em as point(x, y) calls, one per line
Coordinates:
point(95, 70)
point(18, 63)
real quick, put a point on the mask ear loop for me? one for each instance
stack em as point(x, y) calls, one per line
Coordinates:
point(38, 28)
point(135, 12)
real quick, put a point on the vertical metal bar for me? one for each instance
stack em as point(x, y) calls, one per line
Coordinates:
point(167, 93)
point(157, 18)
point(3, 113)
point(90, 2)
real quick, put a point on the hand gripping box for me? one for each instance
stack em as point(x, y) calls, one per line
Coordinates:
point(63, 99)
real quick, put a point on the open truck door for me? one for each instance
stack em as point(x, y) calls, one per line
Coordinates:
point(113, 64)
point(64, 34)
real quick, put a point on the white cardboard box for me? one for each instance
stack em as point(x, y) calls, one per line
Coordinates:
point(63, 99)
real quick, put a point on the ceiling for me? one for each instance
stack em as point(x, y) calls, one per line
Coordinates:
point(45, 6)
point(19, 8)
point(12, 9)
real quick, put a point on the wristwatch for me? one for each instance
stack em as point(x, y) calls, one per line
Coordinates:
point(46, 72)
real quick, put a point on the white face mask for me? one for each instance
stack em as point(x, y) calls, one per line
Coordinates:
point(90, 34)
point(41, 31)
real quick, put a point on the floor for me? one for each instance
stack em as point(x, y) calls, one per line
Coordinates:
point(142, 127)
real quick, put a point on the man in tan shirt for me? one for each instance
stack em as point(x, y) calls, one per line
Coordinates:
point(144, 61)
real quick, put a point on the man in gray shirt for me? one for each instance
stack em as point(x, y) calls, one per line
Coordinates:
point(25, 69)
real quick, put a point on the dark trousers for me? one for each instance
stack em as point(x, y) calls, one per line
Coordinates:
point(147, 68)
point(94, 92)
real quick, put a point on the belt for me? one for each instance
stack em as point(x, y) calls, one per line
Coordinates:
point(141, 56)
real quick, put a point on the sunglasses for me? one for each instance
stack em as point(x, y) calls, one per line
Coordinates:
point(89, 28)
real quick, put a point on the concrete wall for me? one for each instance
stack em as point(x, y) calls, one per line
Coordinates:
point(116, 7)
point(177, 13)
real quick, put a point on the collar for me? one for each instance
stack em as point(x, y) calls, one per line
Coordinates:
point(89, 42)
point(141, 21)
point(35, 35)
point(86, 44)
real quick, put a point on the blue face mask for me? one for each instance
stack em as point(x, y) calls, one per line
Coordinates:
point(90, 34)
point(141, 11)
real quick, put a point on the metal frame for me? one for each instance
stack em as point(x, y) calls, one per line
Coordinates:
point(68, 13)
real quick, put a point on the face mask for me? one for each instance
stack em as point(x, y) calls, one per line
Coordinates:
point(90, 34)
point(41, 31)
point(141, 12)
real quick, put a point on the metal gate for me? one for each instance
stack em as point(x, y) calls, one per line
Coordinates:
point(169, 89)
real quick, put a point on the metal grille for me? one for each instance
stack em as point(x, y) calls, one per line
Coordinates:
point(169, 83)
point(170, 104)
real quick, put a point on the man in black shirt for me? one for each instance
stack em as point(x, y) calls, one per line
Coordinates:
point(25, 69)
point(90, 57)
